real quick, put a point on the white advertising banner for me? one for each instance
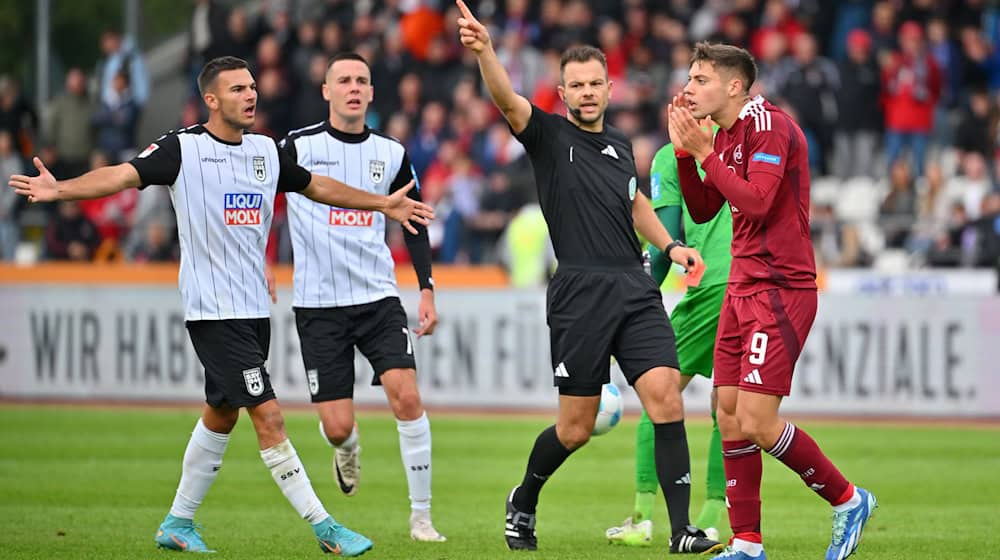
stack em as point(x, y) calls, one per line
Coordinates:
point(869, 356)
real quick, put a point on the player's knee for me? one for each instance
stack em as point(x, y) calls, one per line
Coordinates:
point(574, 436)
point(407, 405)
point(338, 430)
point(751, 427)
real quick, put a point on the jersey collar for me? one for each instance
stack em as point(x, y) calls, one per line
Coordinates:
point(750, 105)
point(348, 137)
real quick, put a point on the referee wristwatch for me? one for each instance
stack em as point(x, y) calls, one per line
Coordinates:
point(671, 246)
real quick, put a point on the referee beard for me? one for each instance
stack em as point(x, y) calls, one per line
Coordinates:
point(580, 163)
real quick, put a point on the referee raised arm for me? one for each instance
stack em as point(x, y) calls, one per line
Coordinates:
point(600, 303)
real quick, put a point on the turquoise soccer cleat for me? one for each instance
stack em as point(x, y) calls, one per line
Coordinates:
point(334, 538)
point(848, 526)
point(177, 533)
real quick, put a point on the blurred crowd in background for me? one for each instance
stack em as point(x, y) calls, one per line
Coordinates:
point(899, 99)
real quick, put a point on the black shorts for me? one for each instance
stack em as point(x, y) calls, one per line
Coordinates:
point(328, 337)
point(596, 314)
point(233, 352)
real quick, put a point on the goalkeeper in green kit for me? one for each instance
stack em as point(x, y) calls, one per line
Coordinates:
point(695, 320)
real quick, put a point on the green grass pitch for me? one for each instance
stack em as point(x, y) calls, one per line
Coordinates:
point(80, 482)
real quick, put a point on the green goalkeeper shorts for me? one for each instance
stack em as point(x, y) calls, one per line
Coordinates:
point(695, 320)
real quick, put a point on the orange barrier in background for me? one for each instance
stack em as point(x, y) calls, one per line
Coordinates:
point(454, 276)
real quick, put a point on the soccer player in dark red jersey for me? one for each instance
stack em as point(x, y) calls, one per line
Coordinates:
point(758, 163)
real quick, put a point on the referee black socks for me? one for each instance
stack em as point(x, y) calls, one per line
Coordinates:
point(546, 456)
point(673, 468)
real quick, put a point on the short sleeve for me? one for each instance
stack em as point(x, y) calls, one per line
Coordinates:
point(160, 162)
point(292, 177)
point(663, 179)
point(535, 136)
point(768, 146)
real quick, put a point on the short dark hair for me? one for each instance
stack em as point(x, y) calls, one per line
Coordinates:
point(347, 55)
point(215, 66)
point(729, 57)
point(581, 53)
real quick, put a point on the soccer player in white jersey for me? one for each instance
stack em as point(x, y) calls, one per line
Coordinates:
point(345, 288)
point(222, 183)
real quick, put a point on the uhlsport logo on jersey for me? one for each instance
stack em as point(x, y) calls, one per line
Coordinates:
point(243, 209)
point(351, 218)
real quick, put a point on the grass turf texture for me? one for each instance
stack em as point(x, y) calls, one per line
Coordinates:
point(95, 483)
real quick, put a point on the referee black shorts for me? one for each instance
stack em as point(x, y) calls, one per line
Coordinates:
point(233, 352)
point(329, 335)
point(598, 312)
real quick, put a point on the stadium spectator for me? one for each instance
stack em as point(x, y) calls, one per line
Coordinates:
point(111, 215)
point(121, 54)
point(524, 61)
point(17, 116)
point(116, 119)
point(206, 39)
point(67, 125)
point(809, 82)
point(972, 185)
point(836, 244)
point(955, 246)
point(883, 30)
point(912, 86)
point(977, 128)
point(898, 211)
point(158, 244)
point(11, 163)
point(859, 116)
point(987, 228)
point(306, 49)
point(71, 237)
point(497, 204)
point(309, 106)
point(238, 39)
point(423, 147)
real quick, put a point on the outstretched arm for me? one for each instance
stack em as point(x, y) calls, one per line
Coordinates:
point(474, 35)
point(396, 206)
point(93, 184)
point(670, 217)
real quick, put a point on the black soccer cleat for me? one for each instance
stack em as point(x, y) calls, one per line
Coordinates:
point(519, 530)
point(692, 540)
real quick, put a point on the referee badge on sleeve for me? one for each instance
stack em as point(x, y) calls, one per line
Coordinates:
point(254, 381)
point(258, 168)
point(631, 188)
point(376, 170)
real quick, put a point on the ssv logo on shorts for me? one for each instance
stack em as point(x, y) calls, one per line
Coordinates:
point(351, 218)
point(243, 209)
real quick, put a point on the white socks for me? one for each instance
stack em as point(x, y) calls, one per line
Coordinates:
point(288, 472)
point(751, 548)
point(854, 502)
point(415, 448)
point(347, 445)
point(202, 460)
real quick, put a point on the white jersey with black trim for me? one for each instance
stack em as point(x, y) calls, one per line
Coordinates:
point(223, 196)
point(341, 257)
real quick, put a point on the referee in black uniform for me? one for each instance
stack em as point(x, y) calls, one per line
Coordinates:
point(600, 302)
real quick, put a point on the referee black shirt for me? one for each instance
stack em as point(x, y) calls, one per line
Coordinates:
point(586, 184)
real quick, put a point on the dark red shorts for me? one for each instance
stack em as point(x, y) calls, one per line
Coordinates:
point(760, 337)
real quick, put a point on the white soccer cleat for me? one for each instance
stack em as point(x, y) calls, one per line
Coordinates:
point(347, 469)
point(421, 528)
point(631, 534)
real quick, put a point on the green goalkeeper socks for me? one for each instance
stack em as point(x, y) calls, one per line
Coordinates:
point(646, 482)
point(714, 510)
